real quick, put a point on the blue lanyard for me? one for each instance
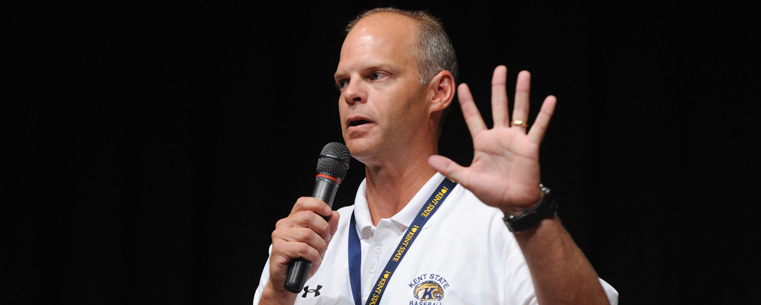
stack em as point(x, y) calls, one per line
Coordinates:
point(355, 249)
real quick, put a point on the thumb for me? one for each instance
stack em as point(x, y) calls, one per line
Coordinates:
point(447, 167)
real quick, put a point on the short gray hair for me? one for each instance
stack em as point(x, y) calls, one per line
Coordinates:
point(434, 53)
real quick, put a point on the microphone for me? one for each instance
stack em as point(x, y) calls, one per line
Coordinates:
point(331, 170)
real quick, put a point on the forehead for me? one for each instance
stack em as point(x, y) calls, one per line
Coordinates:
point(381, 37)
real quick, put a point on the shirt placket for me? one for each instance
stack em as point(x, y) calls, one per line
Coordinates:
point(377, 253)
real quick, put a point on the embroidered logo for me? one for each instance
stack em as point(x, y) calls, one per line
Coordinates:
point(428, 289)
point(308, 291)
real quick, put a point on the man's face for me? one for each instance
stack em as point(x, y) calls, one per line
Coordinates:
point(382, 105)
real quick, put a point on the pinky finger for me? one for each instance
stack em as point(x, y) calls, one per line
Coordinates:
point(538, 129)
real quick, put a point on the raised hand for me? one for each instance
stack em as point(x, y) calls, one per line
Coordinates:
point(505, 169)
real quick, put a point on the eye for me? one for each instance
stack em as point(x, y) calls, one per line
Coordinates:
point(377, 75)
point(342, 83)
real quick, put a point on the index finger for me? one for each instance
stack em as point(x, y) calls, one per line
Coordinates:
point(469, 111)
point(312, 204)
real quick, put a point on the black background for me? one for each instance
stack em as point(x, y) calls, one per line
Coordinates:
point(154, 146)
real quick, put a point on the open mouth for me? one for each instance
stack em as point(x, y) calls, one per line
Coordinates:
point(358, 122)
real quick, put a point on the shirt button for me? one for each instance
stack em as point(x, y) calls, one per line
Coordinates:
point(378, 250)
point(372, 269)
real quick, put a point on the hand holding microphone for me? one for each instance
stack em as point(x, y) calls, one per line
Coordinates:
point(331, 169)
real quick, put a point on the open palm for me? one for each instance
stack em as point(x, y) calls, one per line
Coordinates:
point(505, 169)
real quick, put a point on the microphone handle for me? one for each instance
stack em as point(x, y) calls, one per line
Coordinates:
point(325, 188)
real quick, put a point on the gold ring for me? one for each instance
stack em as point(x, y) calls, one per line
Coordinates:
point(520, 123)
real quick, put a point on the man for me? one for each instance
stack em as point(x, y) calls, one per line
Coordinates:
point(395, 75)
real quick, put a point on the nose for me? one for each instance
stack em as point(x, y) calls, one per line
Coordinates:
point(354, 92)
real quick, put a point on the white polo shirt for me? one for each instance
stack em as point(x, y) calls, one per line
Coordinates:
point(463, 255)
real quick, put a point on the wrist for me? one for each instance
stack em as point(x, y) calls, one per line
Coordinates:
point(276, 295)
point(518, 210)
point(543, 209)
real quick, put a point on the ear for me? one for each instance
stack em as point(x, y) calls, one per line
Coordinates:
point(442, 89)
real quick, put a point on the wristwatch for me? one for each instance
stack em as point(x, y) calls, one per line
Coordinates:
point(545, 209)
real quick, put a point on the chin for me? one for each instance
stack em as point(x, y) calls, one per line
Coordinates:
point(360, 149)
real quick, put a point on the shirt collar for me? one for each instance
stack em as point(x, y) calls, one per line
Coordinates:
point(403, 219)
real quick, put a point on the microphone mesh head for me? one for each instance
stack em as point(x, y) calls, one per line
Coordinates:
point(334, 160)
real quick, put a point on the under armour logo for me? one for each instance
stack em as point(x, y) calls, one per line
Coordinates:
point(308, 291)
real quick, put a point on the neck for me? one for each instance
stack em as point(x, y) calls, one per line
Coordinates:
point(390, 188)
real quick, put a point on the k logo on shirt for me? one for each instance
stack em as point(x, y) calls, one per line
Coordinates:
point(428, 289)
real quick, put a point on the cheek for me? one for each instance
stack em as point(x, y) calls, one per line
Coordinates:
point(341, 112)
point(410, 112)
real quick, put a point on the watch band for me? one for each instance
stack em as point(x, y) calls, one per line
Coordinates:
point(545, 209)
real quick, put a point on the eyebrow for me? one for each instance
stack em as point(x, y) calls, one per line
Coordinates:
point(338, 75)
point(371, 67)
